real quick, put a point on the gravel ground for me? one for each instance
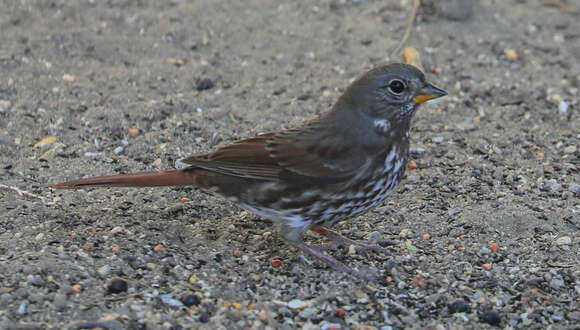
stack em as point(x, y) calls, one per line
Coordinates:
point(485, 227)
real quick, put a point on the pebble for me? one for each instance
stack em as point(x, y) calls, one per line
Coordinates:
point(456, 10)
point(191, 300)
point(563, 240)
point(570, 149)
point(491, 317)
point(563, 107)
point(556, 283)
point(553, 185)
point(204, 318)
point(413, 178)
point(34, 280)
point(118, 150)
point(168, 299)
point(60, 302)
point(296, 304)
point(117, 229)
point(68, 77)
point(22, 308)
point(453, 212)
point(4, 105)
point(375, 236)
point(308, 313)
point(438, 139)
point(204, 84)
point(459, 306)
point(406, 232)
point(117, 285)
point(330, 326)
point(575, 316)
point(5, 299)
point(104, 271)
point(485, 251)
point(575, 189)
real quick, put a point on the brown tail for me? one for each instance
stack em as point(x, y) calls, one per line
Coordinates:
point(145, 179)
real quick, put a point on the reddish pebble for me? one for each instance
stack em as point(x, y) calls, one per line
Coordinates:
point(416, 198)
point(134, 131)
point(237, 253)
point(77, 288)
point(276, 263)
point(185, 199)
point(512, 54)
point(540, 155)
point(486, 266)
point(460, 249)
point(494, 247)
point(426, 236)
point(159, 248)
point(340, 312)
point(116, 249)
point(412, 165)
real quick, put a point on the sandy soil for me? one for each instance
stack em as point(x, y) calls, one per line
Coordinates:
point(485, 228)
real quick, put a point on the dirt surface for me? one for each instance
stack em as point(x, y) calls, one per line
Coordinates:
point(485, 229)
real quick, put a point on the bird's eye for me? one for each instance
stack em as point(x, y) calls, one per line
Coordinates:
point(396, 86)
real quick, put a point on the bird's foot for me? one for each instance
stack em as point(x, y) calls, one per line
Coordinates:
point(340, 240)
point(333, 263)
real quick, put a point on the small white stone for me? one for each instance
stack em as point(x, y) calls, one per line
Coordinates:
point(564, 240)
point(563, 107)
point(297, 304)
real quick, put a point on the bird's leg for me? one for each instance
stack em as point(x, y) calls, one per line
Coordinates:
point(293, 236)
point(346, 242)
point(316, 252)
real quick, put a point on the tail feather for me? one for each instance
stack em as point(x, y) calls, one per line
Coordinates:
point(145, 179)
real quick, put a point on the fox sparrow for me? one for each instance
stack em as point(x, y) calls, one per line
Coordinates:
point(338, 166)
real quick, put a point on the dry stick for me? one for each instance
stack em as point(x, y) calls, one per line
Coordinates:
point(21, 192)
point(408, 30)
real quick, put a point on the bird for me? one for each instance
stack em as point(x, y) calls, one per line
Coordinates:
point(332, 168)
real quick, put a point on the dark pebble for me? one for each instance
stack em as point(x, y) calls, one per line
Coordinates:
point(459, 306)
point(190, 300)
point(491, 317)
point(203, 84)
point(117, 285)
point(279, 91)
point(204, 318)
point(304, 97)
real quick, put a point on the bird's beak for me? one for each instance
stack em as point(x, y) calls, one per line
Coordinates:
point(428, 92)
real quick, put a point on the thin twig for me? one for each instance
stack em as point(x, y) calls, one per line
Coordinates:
point(21, 192)
point(409, 27)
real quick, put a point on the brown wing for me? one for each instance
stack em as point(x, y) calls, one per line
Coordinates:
point(246, 158)
point(316, 150)
point(313, 151)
